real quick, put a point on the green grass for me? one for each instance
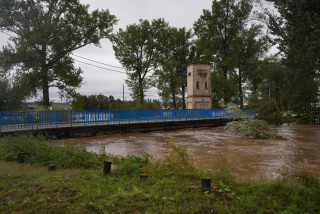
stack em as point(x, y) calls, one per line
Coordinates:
point(41, 151)
point(173, 186)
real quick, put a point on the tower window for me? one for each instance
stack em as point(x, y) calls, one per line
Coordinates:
point(206, 85)
point(197, 85)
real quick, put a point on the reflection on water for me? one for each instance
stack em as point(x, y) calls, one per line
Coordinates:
point(211, 147)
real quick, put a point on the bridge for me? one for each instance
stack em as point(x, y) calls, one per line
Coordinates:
point(82, 120)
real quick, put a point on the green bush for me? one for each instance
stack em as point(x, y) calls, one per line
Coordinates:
point(247, 126)
point(250, 127)
point(39, 150)
point(131, 164)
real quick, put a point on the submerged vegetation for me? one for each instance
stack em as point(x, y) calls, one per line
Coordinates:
point(247, 126)
point(173, 184)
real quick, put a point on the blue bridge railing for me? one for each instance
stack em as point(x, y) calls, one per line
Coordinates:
point(43, 119)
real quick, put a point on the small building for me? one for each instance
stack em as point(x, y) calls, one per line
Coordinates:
point(199, 86)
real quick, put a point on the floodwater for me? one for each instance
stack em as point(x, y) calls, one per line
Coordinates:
point(213, 147)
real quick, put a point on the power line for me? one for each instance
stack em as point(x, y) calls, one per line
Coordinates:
point(83, 58)
point(7, 34)
point(278, 69)
point(100, 67)
point(97, 61)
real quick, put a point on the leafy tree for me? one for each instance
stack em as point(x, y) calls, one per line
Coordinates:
point(250, 46)
point(217, 32)
point(102, 102)
point(77, 102)
point(91, 102)
point(111, 99)
point(297, 32)
point(171, 75)
point(138, 48)
point(269, 86)
point(46, 32)
point(13, 91)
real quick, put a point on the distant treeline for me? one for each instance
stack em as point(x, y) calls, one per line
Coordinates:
point(102, 102)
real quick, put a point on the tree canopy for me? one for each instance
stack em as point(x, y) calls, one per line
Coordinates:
point(45, 32)
point(296, 30)
point(13, 91)
point(138, 48)
point(226, 38)
point(171, 73)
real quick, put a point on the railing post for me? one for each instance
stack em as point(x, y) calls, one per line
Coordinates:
point(37, 119)
point(84, 119)
point(172, 113)
point(71, 117)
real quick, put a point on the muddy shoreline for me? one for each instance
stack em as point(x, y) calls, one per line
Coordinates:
point(213, 147)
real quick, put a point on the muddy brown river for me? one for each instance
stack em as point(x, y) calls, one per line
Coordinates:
point(213, 147)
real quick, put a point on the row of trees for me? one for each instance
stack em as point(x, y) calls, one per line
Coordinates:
point(102, 102)
point(156, 54)
point(230, 37)
point(296, 30)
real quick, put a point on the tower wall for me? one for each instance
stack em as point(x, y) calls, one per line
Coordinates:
point(199, 86)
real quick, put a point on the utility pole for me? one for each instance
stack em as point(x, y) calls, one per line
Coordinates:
point(123, 93)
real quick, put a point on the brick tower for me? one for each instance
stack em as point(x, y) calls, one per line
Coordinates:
point(199, 86)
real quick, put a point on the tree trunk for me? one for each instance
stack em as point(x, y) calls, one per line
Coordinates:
point(183, 89)
point(240, 89)
point(225, 97)
point(45, 88)
point(45, 81)
point(141, 94)
point(174, 98)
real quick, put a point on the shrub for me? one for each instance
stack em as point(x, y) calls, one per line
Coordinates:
point(247, 126)
point(39, 150)
point(131, 164)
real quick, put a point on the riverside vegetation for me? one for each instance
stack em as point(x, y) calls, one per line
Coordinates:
point(248, 126)
point(173, 184)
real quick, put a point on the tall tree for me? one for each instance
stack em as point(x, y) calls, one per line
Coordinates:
point(251, 45)
point(45, 34)
point(297, 32)
point(217, 32)
point(138, 48)
point(269, 87)
point(171, 74)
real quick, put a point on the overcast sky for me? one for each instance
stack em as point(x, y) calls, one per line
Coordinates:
point(179, 13)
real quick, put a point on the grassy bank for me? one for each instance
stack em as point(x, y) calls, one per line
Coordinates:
point(173, 185)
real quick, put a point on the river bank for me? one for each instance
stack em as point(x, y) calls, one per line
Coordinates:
point(173, 184)
point(212, 147)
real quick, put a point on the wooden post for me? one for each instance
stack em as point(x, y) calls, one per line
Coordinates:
point(52, 167)
point(20, 157)
point(143, 176)
point(206, 183)
point(106, 167)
